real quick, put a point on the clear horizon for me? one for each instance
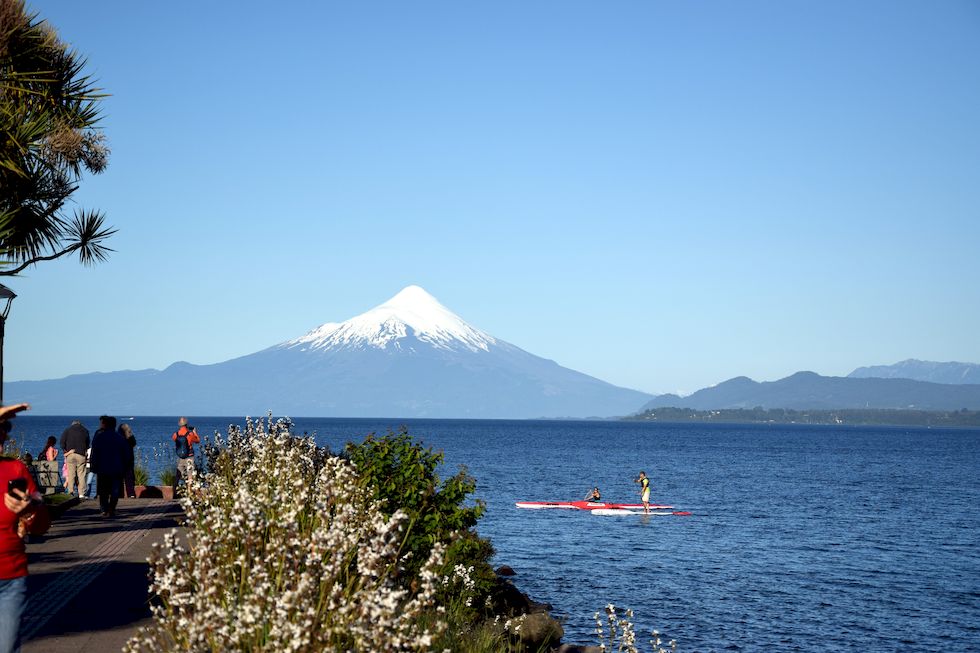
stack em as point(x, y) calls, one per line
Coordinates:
point(660, 195)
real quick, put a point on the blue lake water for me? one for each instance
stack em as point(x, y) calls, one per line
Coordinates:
point(803, 538)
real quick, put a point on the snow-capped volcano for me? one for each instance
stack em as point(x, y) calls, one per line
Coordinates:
point(411, 314)
point(408, 357)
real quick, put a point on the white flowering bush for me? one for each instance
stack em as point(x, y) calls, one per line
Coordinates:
point(285, 551)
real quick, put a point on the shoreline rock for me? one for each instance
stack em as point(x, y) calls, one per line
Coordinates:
point(531, 621)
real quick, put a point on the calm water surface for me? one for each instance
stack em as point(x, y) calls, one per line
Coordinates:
point(802, 538)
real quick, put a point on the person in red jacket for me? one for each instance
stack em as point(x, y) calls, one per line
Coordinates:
point(185, 437)
point(22, 512)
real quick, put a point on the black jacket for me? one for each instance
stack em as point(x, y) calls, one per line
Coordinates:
point(111, 454)
point(75, 437)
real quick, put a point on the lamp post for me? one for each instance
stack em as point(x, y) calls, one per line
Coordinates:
point(6, 294)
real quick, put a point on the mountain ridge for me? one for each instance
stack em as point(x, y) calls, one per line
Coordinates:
point(407, 357)
point(809, 390)
point(952, 372)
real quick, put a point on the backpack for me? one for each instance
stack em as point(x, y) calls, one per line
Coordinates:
point(183, 446)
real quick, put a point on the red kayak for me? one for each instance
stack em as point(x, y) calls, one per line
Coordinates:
point(588, 505)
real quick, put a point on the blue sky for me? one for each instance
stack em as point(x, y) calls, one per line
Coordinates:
point(661, 194)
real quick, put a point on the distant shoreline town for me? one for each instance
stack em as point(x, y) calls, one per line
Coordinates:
point(851, 417)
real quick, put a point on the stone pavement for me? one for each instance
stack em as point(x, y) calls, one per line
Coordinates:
point(87, 589)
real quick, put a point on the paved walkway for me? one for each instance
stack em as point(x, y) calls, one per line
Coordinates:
point(87, 589)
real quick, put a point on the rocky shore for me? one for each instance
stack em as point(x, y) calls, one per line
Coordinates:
point(529, 621)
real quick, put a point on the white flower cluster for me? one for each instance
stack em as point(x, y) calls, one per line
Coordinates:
point(283, 551)
point(462, 578)
point(622, 636)
point(514, 625)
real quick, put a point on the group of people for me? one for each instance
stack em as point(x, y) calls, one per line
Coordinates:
point(109, 456)
point(595, 495)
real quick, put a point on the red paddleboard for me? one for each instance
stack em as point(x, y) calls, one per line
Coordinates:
point(588, 505)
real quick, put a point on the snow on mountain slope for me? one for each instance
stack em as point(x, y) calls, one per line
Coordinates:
point(412, 312)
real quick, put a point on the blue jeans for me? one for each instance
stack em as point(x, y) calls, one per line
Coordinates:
point(13, 593)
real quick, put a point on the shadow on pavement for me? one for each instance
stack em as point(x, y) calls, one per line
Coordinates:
point(117, 597)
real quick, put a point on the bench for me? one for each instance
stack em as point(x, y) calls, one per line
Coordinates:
point(47, 476)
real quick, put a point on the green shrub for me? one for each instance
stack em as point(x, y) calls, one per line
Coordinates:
point(401, 473)
point(168, 476)
point(141, 475)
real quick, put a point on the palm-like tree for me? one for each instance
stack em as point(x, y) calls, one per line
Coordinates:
point(48, 138)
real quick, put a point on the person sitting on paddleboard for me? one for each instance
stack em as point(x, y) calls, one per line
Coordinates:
point(644, 491)
point(593, 495)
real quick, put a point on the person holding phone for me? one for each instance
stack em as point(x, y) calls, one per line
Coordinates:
point(23, 511)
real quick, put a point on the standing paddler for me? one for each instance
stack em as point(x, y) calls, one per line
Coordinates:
point(644, 492)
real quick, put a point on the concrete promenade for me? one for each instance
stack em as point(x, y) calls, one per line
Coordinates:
point(87, 589)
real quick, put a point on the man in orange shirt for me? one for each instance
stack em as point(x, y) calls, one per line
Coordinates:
point(185, 437)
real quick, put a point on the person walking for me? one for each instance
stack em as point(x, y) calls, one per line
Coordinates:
point(109, 459)
point(185, 437)
point(129, 474)
point(75, 442)
point(23, 512)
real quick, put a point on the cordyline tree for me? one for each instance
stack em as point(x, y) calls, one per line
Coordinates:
point(48, 138)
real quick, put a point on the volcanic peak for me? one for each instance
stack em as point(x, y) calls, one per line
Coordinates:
point(412, 312)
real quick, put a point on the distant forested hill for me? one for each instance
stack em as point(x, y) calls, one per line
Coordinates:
point(809, 391)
